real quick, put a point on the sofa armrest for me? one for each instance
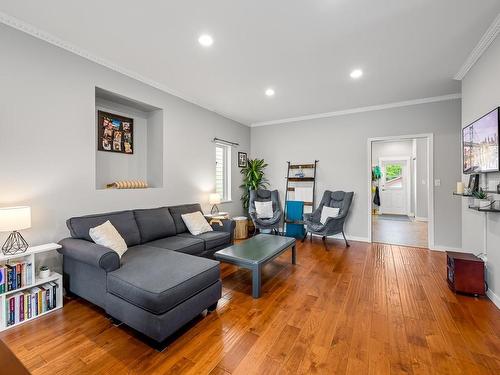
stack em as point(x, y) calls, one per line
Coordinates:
point(228, 226)
point(90, 253)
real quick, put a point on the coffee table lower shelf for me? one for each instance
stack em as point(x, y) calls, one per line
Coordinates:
point(256, 252)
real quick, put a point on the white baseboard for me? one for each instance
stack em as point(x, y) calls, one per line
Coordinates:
point(418, 218)
point(446, 248)
point(349, 238)
point(493, 297)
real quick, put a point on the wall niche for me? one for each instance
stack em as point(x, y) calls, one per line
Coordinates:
point(146, 162)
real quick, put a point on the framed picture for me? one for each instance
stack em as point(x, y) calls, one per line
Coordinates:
point(115, 133)
point(242, 159)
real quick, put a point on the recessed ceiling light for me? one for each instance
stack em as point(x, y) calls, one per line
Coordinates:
point(356, 73)
point(206, 40)
point(270, 92)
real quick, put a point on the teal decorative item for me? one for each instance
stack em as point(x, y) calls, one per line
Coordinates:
point(294, 219)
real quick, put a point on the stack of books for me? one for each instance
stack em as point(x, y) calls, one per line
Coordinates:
point(15, 275)
point(30, 303)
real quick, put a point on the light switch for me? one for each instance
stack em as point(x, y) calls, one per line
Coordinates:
point(423, 182)
point(437, 182)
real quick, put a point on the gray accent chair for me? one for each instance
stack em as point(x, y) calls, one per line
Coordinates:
point(333, 225)
point(262, 195)
point(164, 279)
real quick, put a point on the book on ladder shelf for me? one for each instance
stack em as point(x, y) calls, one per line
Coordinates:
point(24, 295)
point(300, 196)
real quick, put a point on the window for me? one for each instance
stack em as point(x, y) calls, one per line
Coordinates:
point(393, 175)
point(223, 171)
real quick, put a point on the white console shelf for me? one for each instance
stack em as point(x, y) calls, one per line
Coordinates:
point(29, 256)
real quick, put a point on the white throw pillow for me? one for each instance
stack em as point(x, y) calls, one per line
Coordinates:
point(196, 223)
point(327, 212)
point(264, 209)
point(107, 235)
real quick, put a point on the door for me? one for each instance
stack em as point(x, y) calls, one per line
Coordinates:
point(394, 186)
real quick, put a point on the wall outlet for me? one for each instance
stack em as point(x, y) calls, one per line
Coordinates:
point(437, 182)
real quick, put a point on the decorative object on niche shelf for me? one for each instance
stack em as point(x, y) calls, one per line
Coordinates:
point(481, 198)
point(242, 159)
point(14, 219)
point(473, 182)
point(460, 187)
point(44, 272)
point(129, 184)
point(214, 200)
point(115, 133)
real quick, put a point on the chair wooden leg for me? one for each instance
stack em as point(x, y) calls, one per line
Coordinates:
point(345, 239)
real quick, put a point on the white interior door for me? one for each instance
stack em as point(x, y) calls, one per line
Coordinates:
point(394, 186)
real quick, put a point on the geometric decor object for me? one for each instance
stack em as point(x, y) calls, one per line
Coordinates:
point(14, 244)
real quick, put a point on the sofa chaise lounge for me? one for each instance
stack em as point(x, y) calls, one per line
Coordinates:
point(163, 280)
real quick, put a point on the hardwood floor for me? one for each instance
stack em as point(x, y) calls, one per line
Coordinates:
point(368, 309)
point(405, 233)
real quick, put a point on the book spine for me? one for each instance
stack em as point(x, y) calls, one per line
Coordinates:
point(2, 279)
point(29, 273)
point(21, 307)
point(40, 303)
point(54, 294)
point(18, 276)
point(12, 308)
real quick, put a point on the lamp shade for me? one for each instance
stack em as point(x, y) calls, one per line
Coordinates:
point(214, 198)
point(15, 218)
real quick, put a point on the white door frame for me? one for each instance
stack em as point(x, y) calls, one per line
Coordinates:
point(430, 179)
point(407, 159)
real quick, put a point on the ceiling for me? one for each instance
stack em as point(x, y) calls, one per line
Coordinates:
point(304, 49)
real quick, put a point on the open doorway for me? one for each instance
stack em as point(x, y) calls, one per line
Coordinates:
point(400, 190)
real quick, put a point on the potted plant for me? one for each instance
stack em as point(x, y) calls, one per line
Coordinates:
point(481, 199)
point(253, 179)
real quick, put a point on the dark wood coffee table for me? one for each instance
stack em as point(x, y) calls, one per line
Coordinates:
point(254, 253)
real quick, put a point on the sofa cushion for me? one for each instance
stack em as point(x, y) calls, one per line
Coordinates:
point(123, 221)
point(177, 211)
point(157, 280)
point(193, 246)
point(211, 239)
point(154, 223)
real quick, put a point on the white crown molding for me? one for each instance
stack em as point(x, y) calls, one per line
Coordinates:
point(360, 110)
point(483, 44)
point(27, 28)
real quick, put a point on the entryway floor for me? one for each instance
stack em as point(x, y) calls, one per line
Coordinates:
point(399, 232)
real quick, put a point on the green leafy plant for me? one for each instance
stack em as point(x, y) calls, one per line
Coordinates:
point(480, 194)
point(253, 179)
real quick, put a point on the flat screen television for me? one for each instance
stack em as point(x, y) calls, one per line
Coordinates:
point(480, 144)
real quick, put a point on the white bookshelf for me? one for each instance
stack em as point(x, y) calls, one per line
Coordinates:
point(29, 256)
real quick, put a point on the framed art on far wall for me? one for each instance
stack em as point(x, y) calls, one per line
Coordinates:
point(115, 133)
point(242, 159)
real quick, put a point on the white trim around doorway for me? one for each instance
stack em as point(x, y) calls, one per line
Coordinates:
point(430, 179)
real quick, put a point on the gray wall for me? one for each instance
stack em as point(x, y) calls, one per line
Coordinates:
point(340, 144)
point(47, 144)
point(480, 94)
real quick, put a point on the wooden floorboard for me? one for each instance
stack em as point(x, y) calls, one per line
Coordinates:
point(368, 309)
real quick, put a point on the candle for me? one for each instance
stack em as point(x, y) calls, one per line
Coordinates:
point(460, 187)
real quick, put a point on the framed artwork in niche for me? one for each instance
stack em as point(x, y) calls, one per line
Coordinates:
point(242, 159)
point(115, 133)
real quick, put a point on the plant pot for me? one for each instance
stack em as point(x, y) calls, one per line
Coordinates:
point(43, 274)
point(482, 203)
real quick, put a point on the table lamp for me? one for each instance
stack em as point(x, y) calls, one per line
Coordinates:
point(14, 219)
point(214, 199)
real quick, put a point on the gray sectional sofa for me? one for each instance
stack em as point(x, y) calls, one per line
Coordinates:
point(163, 281)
